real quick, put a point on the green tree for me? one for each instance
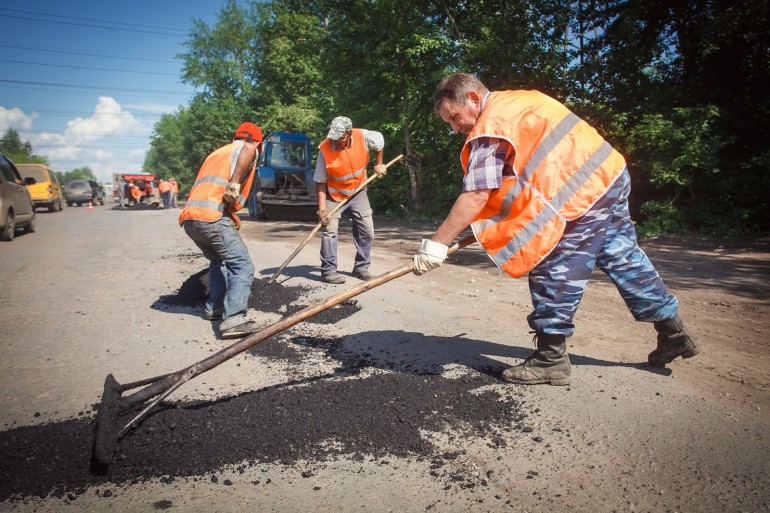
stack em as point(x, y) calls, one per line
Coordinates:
point(289, 96)
point(676, 86)
point(80, 173)
point(258, 63)
point(222, 59)
point(167, 157)
point(646, 60)
point(383, 80)
point(19, 152)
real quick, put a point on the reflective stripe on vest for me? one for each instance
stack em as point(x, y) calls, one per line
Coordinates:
point(345, 169)
point(205, 202)
point(562, 168)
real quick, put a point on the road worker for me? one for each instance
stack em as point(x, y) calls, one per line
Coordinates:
point(209, 219)
point(545, 194)
point(340, 169)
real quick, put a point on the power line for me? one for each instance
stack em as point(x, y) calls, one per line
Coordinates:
point(92, 87)
point(69, 113)
point(89, 19)
point(96, 143)
point(138, 94)
point(89, 68)
point(88, 54)
point(90, 26)
point(89, 146)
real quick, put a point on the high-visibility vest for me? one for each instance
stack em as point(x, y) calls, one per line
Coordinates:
point(562, 167)
point(345, 169)
point(164, 186)
point(205, 202)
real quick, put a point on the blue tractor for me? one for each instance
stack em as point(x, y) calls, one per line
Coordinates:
point(284, 186)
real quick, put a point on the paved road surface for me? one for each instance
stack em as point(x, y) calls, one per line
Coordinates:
point(76, 303)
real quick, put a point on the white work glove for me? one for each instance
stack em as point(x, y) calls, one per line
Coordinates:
point(232, 192)
point(380, 170)
point(431, 255)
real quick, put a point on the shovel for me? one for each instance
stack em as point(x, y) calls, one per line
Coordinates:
point(333, 211)
point(156, 389)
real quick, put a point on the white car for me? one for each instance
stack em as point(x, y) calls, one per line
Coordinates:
point(16, 208)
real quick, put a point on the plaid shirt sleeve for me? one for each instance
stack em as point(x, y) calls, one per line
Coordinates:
point(487, 164)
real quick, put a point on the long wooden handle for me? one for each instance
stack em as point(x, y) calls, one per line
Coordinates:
point(333, 211)
point(169, 380)
point(320, 306)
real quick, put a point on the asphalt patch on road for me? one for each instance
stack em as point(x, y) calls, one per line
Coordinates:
point(144, 205)
point(266, 296)
point(379, 416)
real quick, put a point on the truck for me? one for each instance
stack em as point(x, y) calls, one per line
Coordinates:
point(144, 181)
point(283, 187)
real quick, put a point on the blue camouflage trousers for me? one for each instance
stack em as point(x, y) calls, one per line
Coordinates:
point(603, 237)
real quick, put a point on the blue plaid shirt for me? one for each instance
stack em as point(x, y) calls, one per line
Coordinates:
point(488, 162)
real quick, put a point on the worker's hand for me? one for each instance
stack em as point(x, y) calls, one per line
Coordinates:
point(232, 192)
point(323, 217)
point(380, 170)
point(431, 255)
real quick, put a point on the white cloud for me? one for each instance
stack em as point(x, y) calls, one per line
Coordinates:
point(108, 119)
point(110, 140)
point(16, 119)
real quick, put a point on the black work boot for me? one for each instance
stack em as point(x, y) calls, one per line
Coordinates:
point(674, 339)
point(549, 364)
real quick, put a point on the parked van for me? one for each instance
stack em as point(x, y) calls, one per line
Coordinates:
point(16, 208)
point(46, 192)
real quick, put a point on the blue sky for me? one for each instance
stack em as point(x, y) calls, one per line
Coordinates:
point(84, 82)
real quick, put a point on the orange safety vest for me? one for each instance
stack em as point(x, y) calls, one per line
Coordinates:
point(345, 169)
point(164, 186)
point(562, 167)
point(205, 201)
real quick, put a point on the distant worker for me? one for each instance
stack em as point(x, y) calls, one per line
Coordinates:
point(146, 194)
point(127, 192)
point(121, 190)
point(135, 193)
point(340, 169)
point(222, 185)
point(547, 196)
point(174, 191)
point(165, 188)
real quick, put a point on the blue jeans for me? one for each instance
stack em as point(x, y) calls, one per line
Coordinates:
point(230, 269)
point(360, 212)
point(603, 237)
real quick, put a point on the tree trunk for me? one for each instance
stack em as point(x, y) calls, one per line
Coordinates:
point(413, 165)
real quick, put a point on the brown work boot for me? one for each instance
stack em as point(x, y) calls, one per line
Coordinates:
point(549, 364)
point(674, 339)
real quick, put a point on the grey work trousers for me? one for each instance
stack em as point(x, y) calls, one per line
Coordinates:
point(360, 213)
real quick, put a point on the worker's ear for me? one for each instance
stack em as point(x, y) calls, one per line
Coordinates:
point(474, 97)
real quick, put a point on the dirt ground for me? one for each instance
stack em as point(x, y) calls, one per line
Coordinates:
point(391, 401)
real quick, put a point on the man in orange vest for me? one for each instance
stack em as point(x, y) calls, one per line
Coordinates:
point(545, 194)
point(221, 187)
point(340, 170)
point(165, 192)
point(134, 190)
point(174, 191)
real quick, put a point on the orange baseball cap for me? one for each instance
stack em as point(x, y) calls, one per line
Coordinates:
point(248, 131)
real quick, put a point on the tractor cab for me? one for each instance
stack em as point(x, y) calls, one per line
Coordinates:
point(284, 186)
